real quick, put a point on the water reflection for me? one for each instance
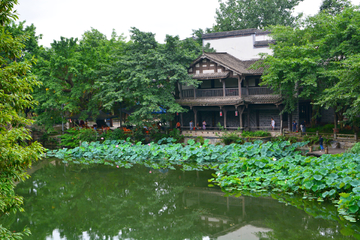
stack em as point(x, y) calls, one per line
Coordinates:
point(83, 202)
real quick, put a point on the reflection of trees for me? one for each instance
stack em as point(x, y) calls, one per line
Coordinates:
point(104, 201)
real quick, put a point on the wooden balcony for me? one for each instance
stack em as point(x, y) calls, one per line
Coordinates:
point(229, 92)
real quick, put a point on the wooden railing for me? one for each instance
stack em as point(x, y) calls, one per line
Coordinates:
point(260, 91)
point(243, 91)
point(338, 136)
point(229, 92)
point(188, 93)
point(214, 92)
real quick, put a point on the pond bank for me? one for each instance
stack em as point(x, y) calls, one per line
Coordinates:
point(330, 151)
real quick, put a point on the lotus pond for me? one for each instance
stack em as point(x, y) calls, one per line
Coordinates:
point(120, 190)
point(73, 201)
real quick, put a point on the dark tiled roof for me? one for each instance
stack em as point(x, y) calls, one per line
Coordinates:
point(234, 33)
point(211, 101)
point(263, 43)
point(211, 75)
point(247, 65)
point(263, 99)
point(230, 62)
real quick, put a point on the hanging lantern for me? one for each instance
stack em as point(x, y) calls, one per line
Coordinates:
point(177, 114)
point(220, 113)
point(236, 113)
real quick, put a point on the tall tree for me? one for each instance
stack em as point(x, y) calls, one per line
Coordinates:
point(243, 14)
point(319, 61)
point(145, 76)
point(16, 85)
point(69, 70)
point(334, 7)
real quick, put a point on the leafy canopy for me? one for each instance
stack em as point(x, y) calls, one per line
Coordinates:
point(243, 14)
point(319, 60)
point(69, 71)
point(16, 86)
point(144, 77)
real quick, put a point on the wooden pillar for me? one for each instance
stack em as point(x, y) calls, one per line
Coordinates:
point(224, 91)
point(225, 113)
point(247, 87)
point(181, 120)
point(289, 122)
point(195, 117)
point(180, 90)
point(280, 107)
point(240, 111)
point(248, 118)
point(194, 92)
point(240, 79)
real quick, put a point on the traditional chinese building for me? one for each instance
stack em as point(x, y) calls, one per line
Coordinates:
point(229, 92)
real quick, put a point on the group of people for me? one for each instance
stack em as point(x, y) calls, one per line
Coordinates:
point(302, 126)
point(192, 126)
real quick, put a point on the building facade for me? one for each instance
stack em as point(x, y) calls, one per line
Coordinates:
point(229, 93)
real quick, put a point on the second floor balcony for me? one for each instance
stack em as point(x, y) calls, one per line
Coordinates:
point(227, 92)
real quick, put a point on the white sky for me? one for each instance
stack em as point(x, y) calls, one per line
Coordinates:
point(71, 18)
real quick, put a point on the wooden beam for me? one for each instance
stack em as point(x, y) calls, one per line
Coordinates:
point(223, 83)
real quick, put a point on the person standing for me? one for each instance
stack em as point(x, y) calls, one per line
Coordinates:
point(204, 125)
point(178, 126)
point(272, 123)
point(302, 126)
point(321, 142)
point(191, 124)
point(294, 125)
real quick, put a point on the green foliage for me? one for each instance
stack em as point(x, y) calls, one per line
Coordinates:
point(292, 139)
point(175, 134)
point(200, 139)
point(16, 86)
point(328, 128)
point(334, 7)
point(328, 177)
point(167, 152)
point(356, 148)
point(116, 134)
point(260, 133)
point(138, 135)
point(74, 136)
point(231, 137)
point(320, 57)
point(311, 139)
point(69, 71)
point(244, 14)
point(145, 75)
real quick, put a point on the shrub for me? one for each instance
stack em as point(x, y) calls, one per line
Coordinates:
point(73, 137)
point(311, 139)
point(117, 134)
point(200, 139)
point(175, 133)
point(256, 134)
point(356, 148)
point(291, 139)
point(231, 137)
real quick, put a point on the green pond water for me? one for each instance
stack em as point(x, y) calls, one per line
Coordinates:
point(86, 202)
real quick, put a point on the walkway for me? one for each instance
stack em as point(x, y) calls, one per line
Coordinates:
point(330, 151)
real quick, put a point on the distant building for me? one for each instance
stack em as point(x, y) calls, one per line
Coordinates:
point(229, 92)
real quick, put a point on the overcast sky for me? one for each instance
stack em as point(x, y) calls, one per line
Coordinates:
point(71, 18)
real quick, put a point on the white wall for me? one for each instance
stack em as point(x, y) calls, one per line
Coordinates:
point(241, 47)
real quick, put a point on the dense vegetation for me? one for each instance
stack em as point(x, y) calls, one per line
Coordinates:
point(250, 167)
point(16, 85)
point(318, 60)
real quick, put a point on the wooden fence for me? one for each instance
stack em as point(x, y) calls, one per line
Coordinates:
point(337, 136)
